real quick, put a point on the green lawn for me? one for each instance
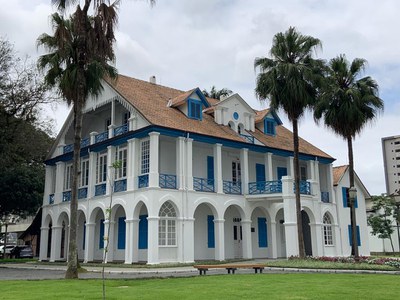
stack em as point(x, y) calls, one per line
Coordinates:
point(249, 286)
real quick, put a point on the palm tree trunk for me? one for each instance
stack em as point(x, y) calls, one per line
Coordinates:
point(351, 203)
point(302, 252)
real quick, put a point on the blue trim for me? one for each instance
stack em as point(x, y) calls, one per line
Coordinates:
point(269, 126)
point(262, 233)
point(143, 232)
point(351, 235)
point(195, 109)
point(235, 115)
point(210, 232)
point(281, 171)
point(344, 196)
point(101, 235)
point(210, 168)
point(121, 232)
point(144, 132)
point(202, 97)
point(276, 117)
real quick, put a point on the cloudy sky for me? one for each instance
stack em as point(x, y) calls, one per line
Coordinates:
point(200, 43)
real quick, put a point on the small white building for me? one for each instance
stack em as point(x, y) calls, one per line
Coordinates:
point(200, 179)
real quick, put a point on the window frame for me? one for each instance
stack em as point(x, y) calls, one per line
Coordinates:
point(327, 230)
point(121, 154)
point(101, 168)
point(269, 126)
point(145, 156)
point(84, 174)
point(167, 226)
point(195, 106)
point(67, 177)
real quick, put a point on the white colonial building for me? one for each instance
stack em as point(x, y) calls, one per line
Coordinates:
point(200, 179)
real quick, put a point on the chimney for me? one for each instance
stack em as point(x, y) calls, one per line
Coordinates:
point(152, 79)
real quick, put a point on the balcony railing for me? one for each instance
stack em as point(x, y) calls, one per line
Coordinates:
point(85, 142)
point(305, 187)
point(248, 138)
point(121, 129)
point(68, 148)
point(82, 193)
point(51, 198)
point(203, 184)
point(232, 187)
point(120, 185)
point(325, 197)
point(143, 181)
point(101, 137)
point(100, 189)
point(265, 187)
point(167, 181)
point(66, 196)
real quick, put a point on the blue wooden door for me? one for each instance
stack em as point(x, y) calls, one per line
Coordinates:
point(260, 177)
point(282, 172)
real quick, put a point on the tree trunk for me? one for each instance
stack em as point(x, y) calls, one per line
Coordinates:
point(302, 252)
point(351, 203)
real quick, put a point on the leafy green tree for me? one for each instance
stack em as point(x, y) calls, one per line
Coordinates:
point(217, 94)
point(290, 80)
point(385, 211)
point(347, 104)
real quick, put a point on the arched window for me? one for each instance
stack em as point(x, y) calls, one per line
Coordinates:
point(167, 225)
point(328, 237)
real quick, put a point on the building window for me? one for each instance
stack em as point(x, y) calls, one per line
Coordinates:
point(145, 156)
point(101, 168)
point(67, 177)
point(236, 173)
point(107, 123)
point(328, 237)
point(303, 173)
point(269, 126)
point(84, 176)
point(194, 109)
point(121, 155)
point(167, 225)
point(125, 117)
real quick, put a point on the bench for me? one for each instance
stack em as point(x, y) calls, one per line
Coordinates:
point(231, 268)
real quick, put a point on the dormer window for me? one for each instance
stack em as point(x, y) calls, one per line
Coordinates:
point(269, 126)
point(194, 109)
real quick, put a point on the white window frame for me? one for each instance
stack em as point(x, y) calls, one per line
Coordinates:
point(121, 154)
point(167, 226)
point(101, 168)
point(68, 177)
point(84, 175)
point(328, 232)
point(145, 156)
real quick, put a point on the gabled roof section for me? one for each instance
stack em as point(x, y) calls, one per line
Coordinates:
point(340, 171)
point(240, 99)
point(260, 116)
point(181, 99)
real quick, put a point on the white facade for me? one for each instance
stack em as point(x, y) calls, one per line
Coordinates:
point(182, 196)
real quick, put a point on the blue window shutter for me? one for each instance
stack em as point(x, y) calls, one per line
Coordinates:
point(351, 235)
point(262, 233)
point(282, 171)
point(101, 240)
point(355, 203)
point(358, 236)
point(210, 232)
point(344, 196)
point(210, 167)
point(143, 232)
point(84, 235)
point(121, 232)
point(194, 109)
point(260, 172)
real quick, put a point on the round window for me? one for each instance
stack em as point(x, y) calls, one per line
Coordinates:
point(235, 115)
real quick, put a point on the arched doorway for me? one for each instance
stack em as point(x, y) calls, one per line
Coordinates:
point(306, 232)
point(204, 233)
point(233, 232)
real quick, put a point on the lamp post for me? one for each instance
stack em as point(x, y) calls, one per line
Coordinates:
point(352, 198)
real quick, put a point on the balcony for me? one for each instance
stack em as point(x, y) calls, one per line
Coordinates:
point(203, 184)
point(121, 129)
point(82, 193)
point(265, 187)
point(167, 181)
point(305, 187)
point(143, 181)
point(120, 185)
point(232, 187)
point(85, 142)
point(51, 199)
point(325, 197)
point(101, 137)
point(248, 138)
point(100, 189)
point(68, 148)
point(66, 196)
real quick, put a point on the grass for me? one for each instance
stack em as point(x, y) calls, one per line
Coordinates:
point(239, 286)
point(17, 260)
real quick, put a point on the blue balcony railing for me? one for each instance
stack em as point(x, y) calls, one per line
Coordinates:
point(120, 185)
point(121, 129)
point(265, 187)
point(85, 142)
point(305, 187)
point(101, 137)
point(143, 181)
point(100, 189)
point(82, 193)
point(51, 198)
point(66, 196)
point(167, 181)
point(203, 184)
point(248, 138)
point(68, 148)
point(325, 197)
point(232, 187)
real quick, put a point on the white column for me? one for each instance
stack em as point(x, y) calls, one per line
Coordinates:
point(55, 243)
point(132, 165)
point(317, 239)
point(89, 242)
point(154, 159)
point(92, 136)
point(316, 187)
point(44, 239)
point(188, 241)
point(132, 121)
point(218, 168)
point(189, 164)
point(180, 159)
point(246, 241)
point(244, 164)
point(60, 169)
point(273, 242)
point(152, 241)
point(134, 240)
point(92, 174)
point(128, 241)
point(112, 125)
point(109, 241)
point(289, 211)
point(291, 166)
point(219, 239)
point(311, 168)
point(332, 199)
point(270, 172)
point(110, 161)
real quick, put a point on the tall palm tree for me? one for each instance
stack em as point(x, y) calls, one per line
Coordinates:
point(347, 104)
point(290, 80)
point(80, 53)
point(216, 94)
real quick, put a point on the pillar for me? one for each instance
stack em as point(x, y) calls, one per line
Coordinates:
point(218, 168)
point(189, 164)
point(109, 240)
point(92, 174)
point(55, 243)
point(244, 164)
point(291, 166)
point(154, 159)
point(112, 125)
point(317, 239)
point(152, 241)
point(270, 172)
point(132, 167)
point(289, 212)
point(59, 187)
point(188, 240)
point(219, 239)
point(110, 170)
point(273, 242)
point(44, 239)
point(89, 242)
point(246, 241)
point(180, 159)
point(134, 239)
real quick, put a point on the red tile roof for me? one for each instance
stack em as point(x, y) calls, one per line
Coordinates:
point(338, 173)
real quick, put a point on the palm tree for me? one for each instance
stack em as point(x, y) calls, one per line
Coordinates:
point(80, 53)
point(216, 94)
point(347, 104)
point(290, 80)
